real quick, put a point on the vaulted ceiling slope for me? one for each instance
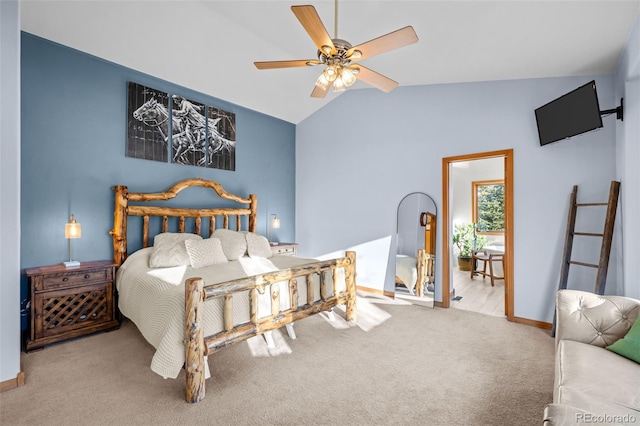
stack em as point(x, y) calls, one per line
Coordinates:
point(210, 46)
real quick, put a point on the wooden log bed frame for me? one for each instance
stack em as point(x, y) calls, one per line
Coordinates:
point(198, 346)
point(425, 271)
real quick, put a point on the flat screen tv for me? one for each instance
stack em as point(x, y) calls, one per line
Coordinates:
point(571, 114)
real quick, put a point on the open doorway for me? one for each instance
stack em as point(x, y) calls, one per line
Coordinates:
point(497, 241)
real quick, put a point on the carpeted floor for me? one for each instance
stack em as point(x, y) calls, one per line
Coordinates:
point(401, 364)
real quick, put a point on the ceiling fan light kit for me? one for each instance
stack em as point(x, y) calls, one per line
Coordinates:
point(337, 55)
point(341, 78)
point(337, 72)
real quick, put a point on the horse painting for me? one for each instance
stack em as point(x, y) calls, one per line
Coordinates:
point(195, 139)
point(152, 113)
point(147, 127)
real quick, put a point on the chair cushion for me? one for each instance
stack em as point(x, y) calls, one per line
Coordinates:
point(581, 381)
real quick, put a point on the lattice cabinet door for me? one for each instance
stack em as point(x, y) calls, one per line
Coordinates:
point(68, 303)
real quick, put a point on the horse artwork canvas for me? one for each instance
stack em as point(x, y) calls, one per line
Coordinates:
point(147, 123)
point(189, 132)
point(199, 135)
point(221, 152)
point(199, 139)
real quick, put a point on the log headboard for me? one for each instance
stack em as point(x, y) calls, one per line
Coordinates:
point(123, 210)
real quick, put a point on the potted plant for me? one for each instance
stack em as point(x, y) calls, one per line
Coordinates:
point(464, 237)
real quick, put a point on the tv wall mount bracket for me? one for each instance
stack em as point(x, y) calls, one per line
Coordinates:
point(618, 111)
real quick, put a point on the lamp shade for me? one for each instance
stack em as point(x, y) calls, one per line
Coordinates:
point(347, 77)
point(72, 229)
point(322, 82)
point(274, 223)
point(338, 84)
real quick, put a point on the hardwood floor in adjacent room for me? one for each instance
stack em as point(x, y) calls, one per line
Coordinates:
point(477, 295)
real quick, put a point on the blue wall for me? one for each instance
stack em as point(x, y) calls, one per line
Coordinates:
point(402, 138)
point(627, 86)
point(74, 109)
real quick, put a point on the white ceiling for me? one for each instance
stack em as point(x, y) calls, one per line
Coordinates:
point(210, 46)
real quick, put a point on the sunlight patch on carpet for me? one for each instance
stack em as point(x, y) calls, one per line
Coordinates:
point(368, 315)
point(258, 345)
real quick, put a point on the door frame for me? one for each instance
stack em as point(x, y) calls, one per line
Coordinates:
point(507, 154)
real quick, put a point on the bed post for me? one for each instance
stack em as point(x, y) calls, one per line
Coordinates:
point(253, 217)
point(119, 231)
point(422, 272)
point(350, 281)
point(194, 332)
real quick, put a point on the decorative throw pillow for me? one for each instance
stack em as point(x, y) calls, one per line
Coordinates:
point(234, 244)
point(169, 250)
point(629, 345)
point(258, 246)
point(205, 252)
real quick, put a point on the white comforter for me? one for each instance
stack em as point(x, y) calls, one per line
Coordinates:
point(407, 270)
point(154, 300)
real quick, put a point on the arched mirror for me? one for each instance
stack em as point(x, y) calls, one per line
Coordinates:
point(416, 249)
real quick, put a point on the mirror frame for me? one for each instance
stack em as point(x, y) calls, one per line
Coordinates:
point(426, 258)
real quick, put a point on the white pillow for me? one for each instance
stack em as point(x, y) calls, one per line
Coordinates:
point(169, 250)
point(234, 244)
point(205, 252)
point(258, 246)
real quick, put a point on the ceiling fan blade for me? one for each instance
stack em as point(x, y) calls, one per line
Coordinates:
point(268, 65)
point(373, 78)
point(385, 43)
point(319, 92)
point(312, 23)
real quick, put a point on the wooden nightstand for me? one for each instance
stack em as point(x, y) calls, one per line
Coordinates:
point(284, 249)
point(71, 302)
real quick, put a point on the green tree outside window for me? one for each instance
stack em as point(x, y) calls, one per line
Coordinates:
point(488, 206)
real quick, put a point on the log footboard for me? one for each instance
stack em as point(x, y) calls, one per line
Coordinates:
point(425, 265)
point(198, 346)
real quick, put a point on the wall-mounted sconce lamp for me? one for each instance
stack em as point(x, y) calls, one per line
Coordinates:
point(274, 223)
point(72, 230)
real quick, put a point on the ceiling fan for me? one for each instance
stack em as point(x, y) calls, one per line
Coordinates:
point(339, 56)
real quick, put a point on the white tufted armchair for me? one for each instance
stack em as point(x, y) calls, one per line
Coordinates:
point(593, 384)
point(593, 319)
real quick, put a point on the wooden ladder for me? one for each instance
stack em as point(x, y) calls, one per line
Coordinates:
point(606, 235)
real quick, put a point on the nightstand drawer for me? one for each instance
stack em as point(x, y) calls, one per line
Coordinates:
point(67, 279)
point(285, 249)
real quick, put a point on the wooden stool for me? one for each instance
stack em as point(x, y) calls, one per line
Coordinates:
point(487, 258)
